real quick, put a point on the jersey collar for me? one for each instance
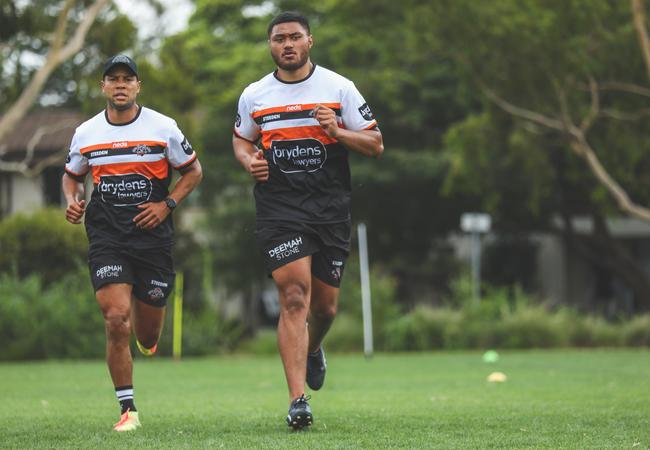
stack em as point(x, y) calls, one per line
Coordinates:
point(125, 123)
point(311, 72)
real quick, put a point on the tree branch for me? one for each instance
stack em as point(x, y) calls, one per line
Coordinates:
point(639, 23)
point(55, 57)
point(625, 87)
point(532, 116)
point(582, 148)
point(625, 115)
point(594, 109)
point(23, 167)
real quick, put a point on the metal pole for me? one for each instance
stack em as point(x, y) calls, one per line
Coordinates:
point(177, 337)
point(476, 266)
point(365, 290)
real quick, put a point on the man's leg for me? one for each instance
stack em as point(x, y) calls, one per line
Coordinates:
point(322, 311)
point(147, 323)
point(115, 303)
point(293, 281)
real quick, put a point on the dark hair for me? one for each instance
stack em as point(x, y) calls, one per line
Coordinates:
point(289, 16)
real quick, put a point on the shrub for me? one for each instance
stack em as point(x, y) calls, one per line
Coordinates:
point(61, 321)
point(424, 328)
point(42, 243)
point(637, 331)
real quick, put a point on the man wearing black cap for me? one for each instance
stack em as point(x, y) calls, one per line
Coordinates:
point(129, 150)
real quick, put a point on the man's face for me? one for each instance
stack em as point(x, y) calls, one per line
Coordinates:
point(121, 87)
point(290, 45)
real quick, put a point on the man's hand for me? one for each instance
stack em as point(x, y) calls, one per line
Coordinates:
point(258, 167)
point(326, 117)
point(152, 215)
point(75, 211)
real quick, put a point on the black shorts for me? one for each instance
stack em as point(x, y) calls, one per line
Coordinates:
point(150, 271)
point(285, 242)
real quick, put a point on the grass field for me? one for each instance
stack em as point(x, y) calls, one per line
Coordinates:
point(552, 399)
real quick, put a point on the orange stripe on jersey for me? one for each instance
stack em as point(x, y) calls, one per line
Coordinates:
point(294, 108)
point(157, 169)
point(186, 163)
point(122, 144)
point(285, 134)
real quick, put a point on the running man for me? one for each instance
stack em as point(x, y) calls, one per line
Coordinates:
point(130, 150)
point(305, 119)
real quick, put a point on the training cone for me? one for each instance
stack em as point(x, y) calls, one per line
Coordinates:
point(490, 356)
point(497, 377)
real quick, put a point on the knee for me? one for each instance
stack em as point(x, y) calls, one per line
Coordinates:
point(117, 323)
point(294, 298)
point(324, 311)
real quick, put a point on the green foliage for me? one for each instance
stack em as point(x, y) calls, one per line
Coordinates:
point(383, 295)
point(27, 29)
point(205, 332)
point(637, 331)
point(506, 318)
point(61, 320)
point(42, 243)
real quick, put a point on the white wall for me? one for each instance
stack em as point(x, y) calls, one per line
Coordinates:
point(26, 194)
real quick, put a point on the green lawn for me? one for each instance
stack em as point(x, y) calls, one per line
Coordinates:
point(552, 399)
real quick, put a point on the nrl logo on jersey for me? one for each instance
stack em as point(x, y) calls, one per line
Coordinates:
point(141, 150)
point(365, 112)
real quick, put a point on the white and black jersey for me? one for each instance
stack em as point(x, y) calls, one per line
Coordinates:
point(130, 164)
point(309, 179)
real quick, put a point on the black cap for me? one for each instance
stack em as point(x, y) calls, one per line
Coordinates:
point(120, 60)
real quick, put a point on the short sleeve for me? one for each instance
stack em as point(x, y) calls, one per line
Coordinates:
point(245, 126)
point(356, 113)
point(76, 165)
point(180, 153)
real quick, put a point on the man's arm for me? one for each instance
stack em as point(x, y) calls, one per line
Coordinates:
point(74, 191)
point(154, 213)
point(366, 142)
point(251, 158)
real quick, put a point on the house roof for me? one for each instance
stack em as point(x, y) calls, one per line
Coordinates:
point(46, 131)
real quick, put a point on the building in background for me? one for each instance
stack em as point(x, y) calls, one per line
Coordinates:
point(32, 159)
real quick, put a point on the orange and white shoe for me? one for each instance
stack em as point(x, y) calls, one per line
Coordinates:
point(146, 351)
point(128, 421)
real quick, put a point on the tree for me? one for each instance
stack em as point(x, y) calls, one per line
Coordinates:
point(224, 49)
point(62, 47)
point(49, 55)
point(565, 81)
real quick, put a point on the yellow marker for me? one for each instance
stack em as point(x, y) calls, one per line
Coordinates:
point(178, 316)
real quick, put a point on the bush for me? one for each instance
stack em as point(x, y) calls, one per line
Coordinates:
point(424, 328)
point(42, 243)
point(60, 321)
point(637, 331)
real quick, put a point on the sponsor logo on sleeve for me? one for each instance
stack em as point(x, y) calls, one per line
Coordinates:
point(365, 111)
point(286, 249)
point(187, 147)
point(124, 190)
point(68, 159)
point(238, 120)
point(299, 155)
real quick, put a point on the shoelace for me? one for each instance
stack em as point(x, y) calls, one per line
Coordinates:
point(302, 399)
